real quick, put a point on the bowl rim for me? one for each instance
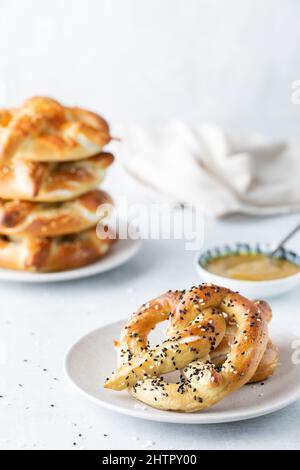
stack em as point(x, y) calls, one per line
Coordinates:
point(200, 267)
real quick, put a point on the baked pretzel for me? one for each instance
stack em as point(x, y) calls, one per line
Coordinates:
point(51, 182)
point(196, 327)
point(23, 218)
point(52, 254)
point(43, 130)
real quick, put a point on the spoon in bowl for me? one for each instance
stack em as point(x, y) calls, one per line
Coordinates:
point(280, 245)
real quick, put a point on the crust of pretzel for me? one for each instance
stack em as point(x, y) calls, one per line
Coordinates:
point(44, 130)
point(190, 344)
point(52, 254)
point(23, 218)
point(202, 384)
point(268, 363)
point(270, 359)
point(51, 182)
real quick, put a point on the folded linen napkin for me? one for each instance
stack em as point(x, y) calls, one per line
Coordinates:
point(222, 172)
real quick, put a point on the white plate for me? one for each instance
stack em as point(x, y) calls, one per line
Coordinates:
point(121, 252)
point(92, 359)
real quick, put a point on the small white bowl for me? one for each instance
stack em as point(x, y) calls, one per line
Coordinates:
point(251, 289)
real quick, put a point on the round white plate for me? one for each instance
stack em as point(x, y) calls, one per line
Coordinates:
point(121, 252)
point(92, 359)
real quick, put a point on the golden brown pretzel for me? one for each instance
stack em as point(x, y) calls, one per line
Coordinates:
point(23, 218)
point(197, 314)
point(51, 182)
point(43, 130)
point(52, 254)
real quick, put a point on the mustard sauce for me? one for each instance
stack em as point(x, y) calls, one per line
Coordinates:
point(251, 267)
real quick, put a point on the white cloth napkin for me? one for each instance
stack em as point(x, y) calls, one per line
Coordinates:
point(222, 172)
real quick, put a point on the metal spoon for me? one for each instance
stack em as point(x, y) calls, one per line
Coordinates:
point(283, 241)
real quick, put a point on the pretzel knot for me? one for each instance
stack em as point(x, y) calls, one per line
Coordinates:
point(198, 319)
point(44, 130)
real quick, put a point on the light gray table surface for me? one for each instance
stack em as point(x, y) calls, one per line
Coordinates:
point(38, 323)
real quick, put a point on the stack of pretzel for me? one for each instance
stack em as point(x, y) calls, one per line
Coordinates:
point(51, 164)
point(216, 338)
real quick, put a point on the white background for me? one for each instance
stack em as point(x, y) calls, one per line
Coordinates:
point(228, 61)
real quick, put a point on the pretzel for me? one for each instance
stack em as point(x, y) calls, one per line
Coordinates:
point(51, 182)
point(52, 254)
point(270, 359)
point(43, 130)
point(196, 328)
point(23, 218)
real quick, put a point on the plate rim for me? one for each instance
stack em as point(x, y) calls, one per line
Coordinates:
point(171, 417)
point(117, 259)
